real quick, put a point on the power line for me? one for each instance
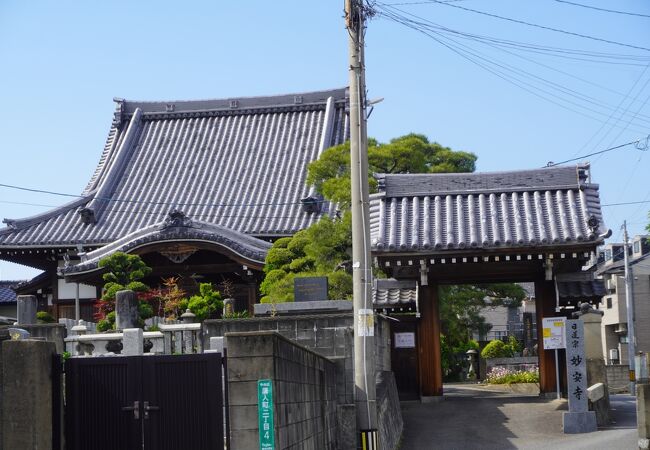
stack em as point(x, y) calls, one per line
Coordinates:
point(626, 203)
point(426, 30)
point(603, 9)
point(643, 147)
point(147, 202)
point(543, 27)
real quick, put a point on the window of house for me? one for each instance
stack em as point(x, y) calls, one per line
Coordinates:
point(609, 302)
point(637, 247)
point(608, 254)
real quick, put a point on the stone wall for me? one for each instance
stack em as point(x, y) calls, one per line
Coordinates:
point(514, 363)
point(618, 378)
point(304, 392)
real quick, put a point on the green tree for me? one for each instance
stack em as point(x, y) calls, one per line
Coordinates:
point(412, 153)
point(123, 271)
point(460, 309)
point(324, 249)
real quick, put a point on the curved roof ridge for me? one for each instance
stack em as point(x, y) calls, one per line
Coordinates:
point(178, 227)
point(19, 224)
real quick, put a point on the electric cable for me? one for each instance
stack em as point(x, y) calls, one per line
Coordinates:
point(638, 141)
point(614, 11)
point(543, 27)
point(509, 78)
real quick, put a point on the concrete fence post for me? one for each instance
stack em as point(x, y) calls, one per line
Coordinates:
point(26, 396)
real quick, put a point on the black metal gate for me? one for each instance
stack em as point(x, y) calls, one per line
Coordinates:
point(144, 402)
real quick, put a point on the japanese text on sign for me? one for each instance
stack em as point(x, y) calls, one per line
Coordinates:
point(576, 366)
point(553, 332)
point(265, 411)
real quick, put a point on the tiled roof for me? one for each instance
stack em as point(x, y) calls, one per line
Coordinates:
point(390, 293)
point(581, 289)
point(448, 212)
point(236, 163)
point(248, 248)
point(7, 294)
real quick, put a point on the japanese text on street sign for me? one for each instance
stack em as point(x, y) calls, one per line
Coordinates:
point(366, 323)
point(576, 366)
point(265, 411)
point(553, 332)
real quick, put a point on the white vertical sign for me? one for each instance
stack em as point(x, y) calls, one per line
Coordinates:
point(576, 366)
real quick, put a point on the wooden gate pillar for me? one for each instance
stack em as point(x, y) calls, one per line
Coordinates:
point(545, 301)
point(430, 356)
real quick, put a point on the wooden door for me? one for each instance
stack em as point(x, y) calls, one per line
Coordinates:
point(404, 358)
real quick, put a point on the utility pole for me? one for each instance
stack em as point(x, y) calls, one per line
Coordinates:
point(629, 303)
point(364, 341)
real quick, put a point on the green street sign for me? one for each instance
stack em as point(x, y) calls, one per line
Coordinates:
point(265, 412)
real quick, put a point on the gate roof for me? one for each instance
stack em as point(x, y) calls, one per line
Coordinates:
point(471, 213)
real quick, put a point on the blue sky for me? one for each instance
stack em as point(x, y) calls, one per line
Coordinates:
point(64, 61)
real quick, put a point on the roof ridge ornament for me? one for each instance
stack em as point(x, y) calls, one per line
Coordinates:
point(177, 218)
point(118, 115)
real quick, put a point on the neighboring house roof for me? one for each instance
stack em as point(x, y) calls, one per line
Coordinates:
point(179, 228)
point(618, 267)
point(7, 294)
point(430, 213)
point(235, 163)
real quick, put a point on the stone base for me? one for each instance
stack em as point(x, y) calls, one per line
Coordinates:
point(432, 399)
point(579, 422)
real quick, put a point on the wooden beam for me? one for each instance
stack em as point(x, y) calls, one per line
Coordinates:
point(545, 307)
point(430, 355)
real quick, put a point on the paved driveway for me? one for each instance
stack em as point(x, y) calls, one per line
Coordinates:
point(471, 417)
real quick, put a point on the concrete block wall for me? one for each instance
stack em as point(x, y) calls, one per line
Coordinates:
point(330, 335)
point(304, 391)
point(618, 377)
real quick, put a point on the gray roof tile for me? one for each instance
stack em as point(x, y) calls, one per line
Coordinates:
point(236, 163)
point(442, 212)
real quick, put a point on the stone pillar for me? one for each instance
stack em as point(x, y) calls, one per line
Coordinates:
point(26, 397)
point(596, 370)
point(429, 353)
point(26, 309)
point(126, 310)
point(132, 342)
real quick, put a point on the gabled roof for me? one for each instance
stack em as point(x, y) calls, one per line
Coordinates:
point(441, 213)
point(238, 163)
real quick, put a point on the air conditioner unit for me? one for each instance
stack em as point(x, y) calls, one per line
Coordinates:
point(621, 328)
point(613, 354)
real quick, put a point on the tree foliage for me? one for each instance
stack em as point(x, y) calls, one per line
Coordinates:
point(324, 248)
point(460, 309)
point(412, 153)
point(123, 271)
point(320, 250)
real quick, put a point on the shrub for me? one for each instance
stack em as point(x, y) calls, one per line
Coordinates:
point(513, 345)
point(496, 349)
point(236, 315)
point(501, 375)
point(45, 317)
point(103, 325)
